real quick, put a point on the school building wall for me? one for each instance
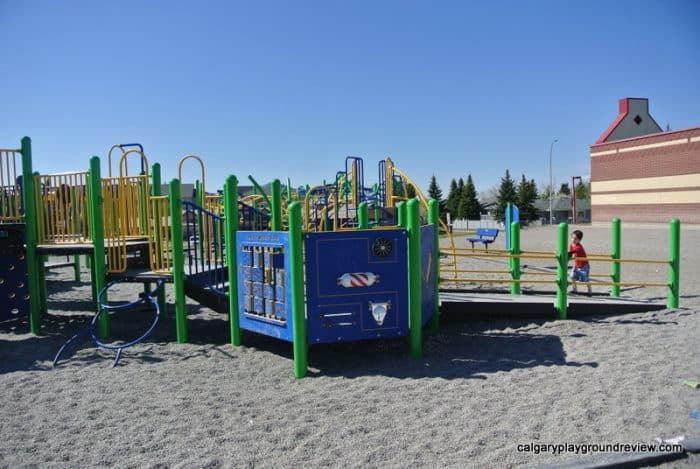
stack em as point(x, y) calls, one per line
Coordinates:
point(649, 179)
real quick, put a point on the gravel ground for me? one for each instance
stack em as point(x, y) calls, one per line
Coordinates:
point(481, 389)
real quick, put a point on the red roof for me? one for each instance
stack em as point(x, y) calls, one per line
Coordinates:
point(624, 109)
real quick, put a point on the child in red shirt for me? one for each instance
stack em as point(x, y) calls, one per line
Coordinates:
point(581, 268)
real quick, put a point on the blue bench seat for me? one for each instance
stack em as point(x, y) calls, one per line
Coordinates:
point(484, 236)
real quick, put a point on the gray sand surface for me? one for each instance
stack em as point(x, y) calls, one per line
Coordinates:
point(481, 389)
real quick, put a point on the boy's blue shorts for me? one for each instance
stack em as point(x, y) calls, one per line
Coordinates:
point(580, 274)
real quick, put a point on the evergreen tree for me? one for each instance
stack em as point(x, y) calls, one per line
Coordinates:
point(527, 194)
point(506, 193)
point(472, 209)
point(410, 191)
point(434, 192)
point(564, 189)
point(452, 199)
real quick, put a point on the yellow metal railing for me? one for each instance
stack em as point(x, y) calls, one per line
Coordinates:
point(10, 195)
point(160, 246)
point(61, 207)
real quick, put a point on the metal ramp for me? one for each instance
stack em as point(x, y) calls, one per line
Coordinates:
point(470, 305)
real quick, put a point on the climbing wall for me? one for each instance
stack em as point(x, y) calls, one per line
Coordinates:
point(14, 291)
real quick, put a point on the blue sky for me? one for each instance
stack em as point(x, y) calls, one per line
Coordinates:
point(278, 89)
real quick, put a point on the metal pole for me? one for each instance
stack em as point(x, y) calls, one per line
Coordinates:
point(616, 252)
point(30, 219)
point(551, 183)
point(96, 203)
point(362, 216)
point(401, 214)
point(415, 326)
point(296, 261)
point(515, 261)
point(434, 219)
point(562, 261)
point(178, 260)
point(231, 222)
point(674, 266)
point(276, 205)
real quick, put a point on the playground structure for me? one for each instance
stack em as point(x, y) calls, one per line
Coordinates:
point(333, 262)
point(130, 232)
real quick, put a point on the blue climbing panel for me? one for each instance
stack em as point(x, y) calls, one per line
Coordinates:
point(356, 285)
point(14, 291)
point(264, 301)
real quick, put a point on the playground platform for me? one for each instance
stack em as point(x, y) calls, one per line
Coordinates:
point(489, 305)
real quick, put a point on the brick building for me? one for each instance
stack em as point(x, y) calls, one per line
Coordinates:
point(640, 173)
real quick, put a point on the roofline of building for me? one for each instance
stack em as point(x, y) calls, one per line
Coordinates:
point(655, 134)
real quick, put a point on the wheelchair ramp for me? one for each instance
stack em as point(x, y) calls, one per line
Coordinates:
point(503, 305)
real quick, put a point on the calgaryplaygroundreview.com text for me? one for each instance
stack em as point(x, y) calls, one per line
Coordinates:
point(571, 448)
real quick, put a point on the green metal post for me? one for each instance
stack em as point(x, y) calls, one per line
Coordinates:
point(615, 253)
point(30, 220)
point(362, 216)
point(515, 261)
point(175, 205)
point(296, 281)
point(562, 262)
point(231, 228)
point(414, 279)
point(434, 219)
point(260, 191)
point(401, 214)
point(99, 266)
point(276, 205)
point(156, 190)
point(674, 266)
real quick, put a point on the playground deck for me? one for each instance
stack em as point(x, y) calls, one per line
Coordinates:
point(489, 305)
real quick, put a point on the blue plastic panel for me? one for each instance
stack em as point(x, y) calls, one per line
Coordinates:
point(263, 265)
point(14, 289)
point(348, 275)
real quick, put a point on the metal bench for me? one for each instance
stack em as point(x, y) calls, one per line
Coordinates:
point(485, 236)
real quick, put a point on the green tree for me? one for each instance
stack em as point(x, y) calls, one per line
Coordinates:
point(527, 194)
point(583, 190)
point(452, 199)
point(410, 191)
point(565, 189)
point(472, 207)
point(506, 193)
point(434, 192)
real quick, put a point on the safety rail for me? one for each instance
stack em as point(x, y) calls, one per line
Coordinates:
point(204, 248)
point(10, 190)
point(160, 242)
point(561, 280)
point(62, 204)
